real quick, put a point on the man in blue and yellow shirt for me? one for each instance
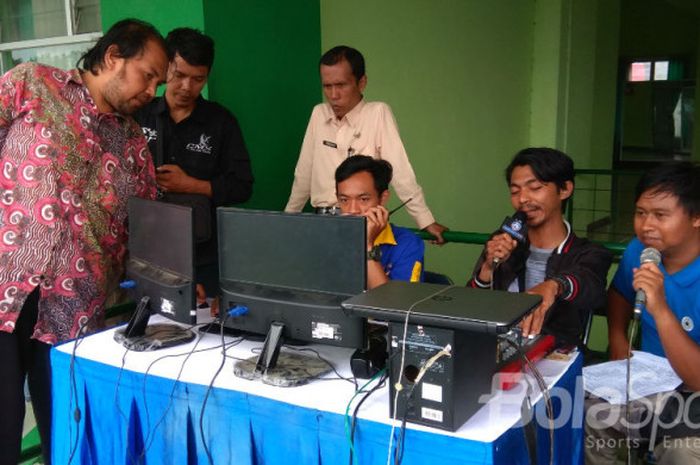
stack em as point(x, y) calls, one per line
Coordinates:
point(362, 187)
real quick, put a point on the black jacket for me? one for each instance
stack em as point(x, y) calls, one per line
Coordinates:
point(207, 145)
point(578, 262)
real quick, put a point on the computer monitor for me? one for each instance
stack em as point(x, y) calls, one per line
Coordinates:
point(292, 272)
point(161, 258)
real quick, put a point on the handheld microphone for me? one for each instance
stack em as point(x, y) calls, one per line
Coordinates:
point(516, 227)
point(649, 255)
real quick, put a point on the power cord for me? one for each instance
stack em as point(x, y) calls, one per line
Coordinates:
point(73, 389)
point(350, 427)
point(234, 312)
point(545, 394)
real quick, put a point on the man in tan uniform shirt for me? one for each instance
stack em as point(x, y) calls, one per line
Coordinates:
point(348, 125)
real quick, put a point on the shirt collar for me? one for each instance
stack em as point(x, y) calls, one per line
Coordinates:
point(688, 276)
point(386, 236)
point(75, 77)
point(351, 117)
point(161, 106)
point(198, 113)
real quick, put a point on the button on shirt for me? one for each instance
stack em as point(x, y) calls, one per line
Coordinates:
point(368, 129)
point(67, 172)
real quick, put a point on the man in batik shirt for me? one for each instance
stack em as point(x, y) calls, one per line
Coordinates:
point(70, 157)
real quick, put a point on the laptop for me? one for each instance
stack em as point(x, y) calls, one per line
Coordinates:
point(437, 305)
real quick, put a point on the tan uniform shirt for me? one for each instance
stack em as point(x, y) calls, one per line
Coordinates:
point(368, 129)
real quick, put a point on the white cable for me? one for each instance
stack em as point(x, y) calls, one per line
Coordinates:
point(445, 352)
point(632, 334)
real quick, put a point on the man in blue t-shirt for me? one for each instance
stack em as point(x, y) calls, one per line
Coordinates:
point(362, 187)
point(667, 218)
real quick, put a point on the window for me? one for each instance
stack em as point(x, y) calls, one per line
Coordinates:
point(657, 70)
point(55, 32)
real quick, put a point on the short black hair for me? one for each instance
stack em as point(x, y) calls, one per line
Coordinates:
point(129, 35)
point(343, 52)
point(380, 170)
point(195, 48)
point(678, 178)
point(547, 164)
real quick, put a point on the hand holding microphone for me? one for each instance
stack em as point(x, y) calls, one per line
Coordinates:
point(500, 246)
point(649, 278)
point(515, 229)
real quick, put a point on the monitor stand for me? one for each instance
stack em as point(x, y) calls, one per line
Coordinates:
point(278, 368)
point(141, 337)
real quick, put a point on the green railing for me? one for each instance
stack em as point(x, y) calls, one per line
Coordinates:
point(481, 238)
point(601, 210)
point(602, 206)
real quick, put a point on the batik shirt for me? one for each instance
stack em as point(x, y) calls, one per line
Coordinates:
point(66, 173)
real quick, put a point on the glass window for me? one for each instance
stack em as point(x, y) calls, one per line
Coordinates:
point(661, 71)
point(54, 32)
point(640, 71)
point(28, 20)
point(87, 16)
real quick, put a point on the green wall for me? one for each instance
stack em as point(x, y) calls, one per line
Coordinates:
point(160, 13)
point(267, 74)
point(473, 82)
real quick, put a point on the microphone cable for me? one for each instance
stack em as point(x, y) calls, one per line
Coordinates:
point(632, 335)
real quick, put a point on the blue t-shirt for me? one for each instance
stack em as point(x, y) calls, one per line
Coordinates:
point(402, 254)
point(682, 295)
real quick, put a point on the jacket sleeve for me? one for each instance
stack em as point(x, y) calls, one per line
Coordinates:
point(586, 274)
point(234, 181)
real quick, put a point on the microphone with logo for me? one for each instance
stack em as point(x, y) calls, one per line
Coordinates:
point(516, 227)
point(649, 255)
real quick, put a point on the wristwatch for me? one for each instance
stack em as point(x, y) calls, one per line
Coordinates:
point(375, 253)
point(563, 284)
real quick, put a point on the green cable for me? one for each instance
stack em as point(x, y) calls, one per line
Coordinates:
point(347, 410)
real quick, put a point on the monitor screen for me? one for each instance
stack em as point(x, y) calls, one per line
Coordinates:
point(161, 258)
point(294, 269)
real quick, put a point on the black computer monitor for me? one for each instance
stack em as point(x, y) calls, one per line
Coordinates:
point(161, 258)
point(292, 272)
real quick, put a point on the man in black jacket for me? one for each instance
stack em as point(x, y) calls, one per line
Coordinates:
point(197, 145)
point(568, 272)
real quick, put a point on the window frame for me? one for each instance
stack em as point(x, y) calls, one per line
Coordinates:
point(70, 9)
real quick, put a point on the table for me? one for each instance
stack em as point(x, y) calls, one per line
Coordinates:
point(141, 407)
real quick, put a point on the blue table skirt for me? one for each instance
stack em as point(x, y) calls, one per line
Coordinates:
point(118, 426)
